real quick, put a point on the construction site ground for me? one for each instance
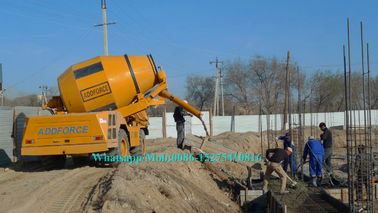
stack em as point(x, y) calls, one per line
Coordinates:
point(147, 186)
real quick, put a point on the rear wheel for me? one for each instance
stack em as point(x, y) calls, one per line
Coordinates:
point(123, 149)
point(141, 148)
point(123, 143)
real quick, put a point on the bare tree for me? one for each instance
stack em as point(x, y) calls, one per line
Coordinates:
point(238, 85)
point(262, 80)
point(267, 76)
point(200, 91)
point(327, 91)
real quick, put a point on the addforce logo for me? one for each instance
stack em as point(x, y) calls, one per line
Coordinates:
point(95, 91)
point(63, 130)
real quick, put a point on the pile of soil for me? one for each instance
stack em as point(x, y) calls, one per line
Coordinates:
point(161, 186)
point(184, 186)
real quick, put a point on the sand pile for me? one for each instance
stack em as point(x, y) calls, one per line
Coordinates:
point(181, 186)
point(161, 187)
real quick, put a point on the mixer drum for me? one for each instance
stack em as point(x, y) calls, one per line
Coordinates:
point(106, 82)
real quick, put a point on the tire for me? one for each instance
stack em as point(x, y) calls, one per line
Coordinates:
point(141, 148)
point(123, 148)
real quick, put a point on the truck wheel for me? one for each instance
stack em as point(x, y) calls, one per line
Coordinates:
point(123, 148)
point(141, 148)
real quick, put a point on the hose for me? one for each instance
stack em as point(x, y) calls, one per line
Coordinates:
point(326, 167)
point(204, 126)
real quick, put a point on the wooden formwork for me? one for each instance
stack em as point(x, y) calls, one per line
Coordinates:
point(342, 193)
point(274, 205)
point(249, 195)
point(337, 203)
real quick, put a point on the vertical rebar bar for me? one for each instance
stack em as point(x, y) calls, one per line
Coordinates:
point(290, 122)
point(367, 134)
point(316, 124)
point(268, 126)
point(303, 131)
point(275, 126)
point(311, 123)
point(347, 128)
point(363, 82)
point(350, 178)
point(300, 136)
point(370, 148)
point(260, 128)
point(287, 89)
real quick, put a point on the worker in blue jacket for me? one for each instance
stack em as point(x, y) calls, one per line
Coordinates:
point(315, 149)
point(292, 160)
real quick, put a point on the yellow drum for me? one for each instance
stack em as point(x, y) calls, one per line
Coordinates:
point(106, 82)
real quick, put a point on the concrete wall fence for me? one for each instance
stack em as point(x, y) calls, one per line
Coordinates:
point(12, 125)
point(250, 123)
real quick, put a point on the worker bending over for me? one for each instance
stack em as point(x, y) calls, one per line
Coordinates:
point(315, 149)
point(274, 165)
point(292, 160)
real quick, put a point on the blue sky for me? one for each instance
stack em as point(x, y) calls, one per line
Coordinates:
point(41, 38)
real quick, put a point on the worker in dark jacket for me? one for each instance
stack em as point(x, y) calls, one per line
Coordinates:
point(292, 160)
point(274, 165)
point(178, 115)
point(326, 137)
point(315, 149)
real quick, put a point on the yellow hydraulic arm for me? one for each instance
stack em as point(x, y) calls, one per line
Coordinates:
point(181, 103)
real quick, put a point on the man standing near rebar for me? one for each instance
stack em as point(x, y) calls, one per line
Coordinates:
point(178, 115)
point(315, 149)
point(292, 160)
point(326, 137)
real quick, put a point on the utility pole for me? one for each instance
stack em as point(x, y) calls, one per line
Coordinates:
point(216, 93)
point(287, 88)
point(104, 26)
point(1, 85)
point(221, 85)
point(2, 96)
point(44, 94)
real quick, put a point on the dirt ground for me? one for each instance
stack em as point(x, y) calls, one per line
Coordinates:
point(47, 191)
point(162, 187)
point(144, 187)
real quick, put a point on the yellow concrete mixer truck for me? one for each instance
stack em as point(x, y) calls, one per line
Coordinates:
point(101, 109)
